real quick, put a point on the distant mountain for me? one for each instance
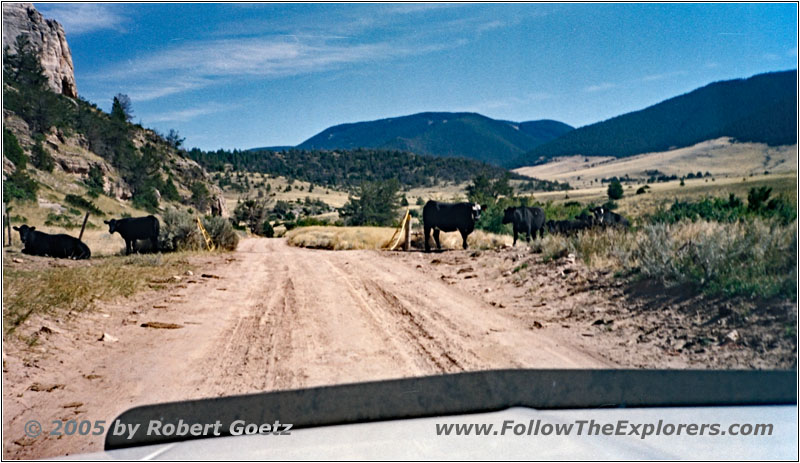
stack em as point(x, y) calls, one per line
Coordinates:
point(761, 109)
point(467, 135)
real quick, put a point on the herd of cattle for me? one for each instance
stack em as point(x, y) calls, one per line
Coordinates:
point(446, 217)
point(436, 217)
point(37, 243)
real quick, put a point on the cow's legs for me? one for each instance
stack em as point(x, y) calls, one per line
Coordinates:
point(128, 246)
point(528, 234)
point(436, 238)
point(426, 237)
point(515, 237)
point(464, 237)
point(154, 240)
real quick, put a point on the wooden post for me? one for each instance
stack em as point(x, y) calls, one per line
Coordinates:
point(83, 227)
point(407, 244)
point(6, 223)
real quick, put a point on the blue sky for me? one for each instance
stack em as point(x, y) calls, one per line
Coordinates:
point(247, 75)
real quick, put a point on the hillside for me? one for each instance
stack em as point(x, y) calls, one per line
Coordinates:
point(760, 109)
point(468, 135)
point(346, 169)
point(720, 157)
point(62, 155)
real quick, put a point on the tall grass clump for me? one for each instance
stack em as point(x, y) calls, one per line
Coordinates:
point(752, 259)
point(179, 232)
point(64, 289)
point(221, 232)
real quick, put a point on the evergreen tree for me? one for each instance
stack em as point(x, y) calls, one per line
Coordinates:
point(615, 190)
point(41, 158)
point(374, 203)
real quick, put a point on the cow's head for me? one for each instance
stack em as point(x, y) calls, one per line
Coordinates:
point(112, 225)
point(598, 213)
point(25, 233)
point(508, 214)
point(476, 212)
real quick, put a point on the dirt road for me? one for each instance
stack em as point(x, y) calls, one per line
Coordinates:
point(264, 318)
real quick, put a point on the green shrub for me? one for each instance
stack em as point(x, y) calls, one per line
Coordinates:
point(615, 190)
point(18, 185)
point(179, 232)
point(754, 259)
point(221, 232)
point(375, 203)
point(84, 204)
point(95, 180)
point(41, 158)
point(728, 210)
point(12, 151)
point(267, 230)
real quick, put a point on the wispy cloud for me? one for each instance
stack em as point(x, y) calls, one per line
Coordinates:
point(662, 76)
point(319, 40)
point(195, 65)
point(83, 18)
point(183, 115)
point(512, 101)
point(600, 87)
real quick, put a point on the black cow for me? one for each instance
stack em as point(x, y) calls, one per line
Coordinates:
point(608, 218)
point(527, 220)
point(568, 227)
point(449, 217)
point(563, 227)
point(43, 244)
point(135, 228)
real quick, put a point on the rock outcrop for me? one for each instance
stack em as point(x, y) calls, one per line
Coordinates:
point(48, 37)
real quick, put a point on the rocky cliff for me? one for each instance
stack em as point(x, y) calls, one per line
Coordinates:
point(47, 36)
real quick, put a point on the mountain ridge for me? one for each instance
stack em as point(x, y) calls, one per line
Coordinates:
point(760, 108)
point(449, 134)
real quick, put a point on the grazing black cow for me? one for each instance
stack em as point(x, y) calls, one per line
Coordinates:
point(568, 227)
point(44, 244)
point(449, 217)
point(135, 228)
point(527, 220)
point(607, 218)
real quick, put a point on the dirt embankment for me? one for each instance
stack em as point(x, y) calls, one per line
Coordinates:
point(631, 324)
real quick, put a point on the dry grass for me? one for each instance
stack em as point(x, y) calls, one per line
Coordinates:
point(749, 258)
point(478, 239)
point(663, 194)
point(344, 238)
point(721, 157)
point(37, 287)
point(339, 238)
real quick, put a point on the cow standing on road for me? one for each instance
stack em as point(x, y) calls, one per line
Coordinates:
point(44, 244)
point(449, 217)
point(527, 220)
point(135, 228)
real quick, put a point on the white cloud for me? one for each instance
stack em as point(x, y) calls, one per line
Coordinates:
point(600, 87)
point(662, 76)
point(196, 65)
point(82, 18)
point(183, 115)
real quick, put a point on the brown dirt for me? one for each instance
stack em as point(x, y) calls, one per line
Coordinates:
point(633, 324)
point(266, 317)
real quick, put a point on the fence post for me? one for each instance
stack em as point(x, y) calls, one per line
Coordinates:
point(85, 218)
point(407, 244)
point(6, 223)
